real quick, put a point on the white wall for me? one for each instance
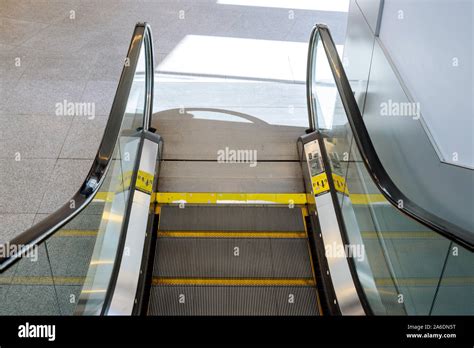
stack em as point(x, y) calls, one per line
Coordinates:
point(424, 38)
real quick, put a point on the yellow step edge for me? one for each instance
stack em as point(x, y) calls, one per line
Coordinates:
point(234, 281)
point(230, 234)
point(230, 198)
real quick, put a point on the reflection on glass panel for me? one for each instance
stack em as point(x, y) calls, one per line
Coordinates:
point(28, 288)
point(327, 107)
point(136, 101)
point(456, 289)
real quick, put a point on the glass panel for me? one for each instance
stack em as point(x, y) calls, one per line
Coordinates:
point(400, 263)
point(75, 264)
point(407, 151)
point(324, 92)
point(456, 289)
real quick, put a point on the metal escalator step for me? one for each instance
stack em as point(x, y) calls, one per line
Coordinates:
point(234, 281)
point(197, 176)
point(257, 258)
point(224, 300)
point(230, 234)
point(225, 218)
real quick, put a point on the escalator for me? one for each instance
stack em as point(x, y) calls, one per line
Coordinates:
point(320, 230)
point(237, 260)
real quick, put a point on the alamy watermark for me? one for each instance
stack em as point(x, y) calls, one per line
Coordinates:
point(12, 250)
point(28, 330)
point(237, 156)
point(68, 108)
point(407, 109)
point(335, 250)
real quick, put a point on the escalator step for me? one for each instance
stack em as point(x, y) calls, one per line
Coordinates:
point(230, 234)
point(225, 300)
point(234, 281)
point(232, 257)
point(225, 218)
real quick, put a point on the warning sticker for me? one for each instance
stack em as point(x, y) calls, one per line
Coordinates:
point(320, 184)
point(144, 182)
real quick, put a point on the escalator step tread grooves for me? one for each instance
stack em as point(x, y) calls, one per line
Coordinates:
point(206, 300)
point(225, 218)
point(189, 258)
point(212, 257)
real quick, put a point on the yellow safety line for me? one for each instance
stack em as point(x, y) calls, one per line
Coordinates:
point(94, 291)
point(232, 198)
point(241, 198)
point(76, 233)
point(234, 281)
point(401, 235)
point(104, 196)
point(230, 234)
point(361, 198)
point(424, 281)
point(41, 280)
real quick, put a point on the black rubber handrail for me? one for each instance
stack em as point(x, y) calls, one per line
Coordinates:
point(366, 148)
point(44, 229)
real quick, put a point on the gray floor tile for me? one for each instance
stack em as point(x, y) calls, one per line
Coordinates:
point(25, 135)
point(102, 94)
point(84, 137)
point(203, 133)
point(39, 11)
point(66, 178)
point(41, 97)
point(30, 300)
point(15, 31)
point(13, 224)
point(11, 68)
point(68, 296)
point(56, 68)
point(70, 255)
point(60, 39)
point(22, 184)
point(260, 23)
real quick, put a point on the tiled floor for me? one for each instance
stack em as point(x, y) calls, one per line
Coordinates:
point(228, 54)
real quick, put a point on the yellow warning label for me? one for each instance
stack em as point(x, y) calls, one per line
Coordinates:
point(320, 183)
point(144, 182)
point(340, 184)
